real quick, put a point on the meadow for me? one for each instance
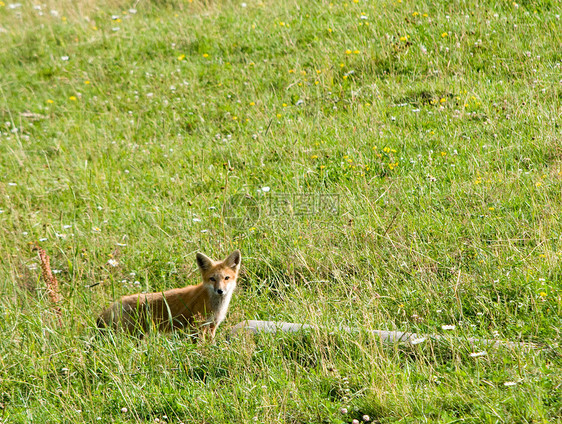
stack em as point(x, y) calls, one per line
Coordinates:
point(394, 164)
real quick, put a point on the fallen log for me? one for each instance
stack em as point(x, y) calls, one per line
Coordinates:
point(388, 337)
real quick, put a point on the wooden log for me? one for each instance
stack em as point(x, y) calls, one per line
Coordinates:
point(388, 337)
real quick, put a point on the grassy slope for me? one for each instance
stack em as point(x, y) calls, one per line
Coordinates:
point(436, 124)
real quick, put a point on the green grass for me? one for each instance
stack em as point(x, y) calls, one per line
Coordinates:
point(435, 124)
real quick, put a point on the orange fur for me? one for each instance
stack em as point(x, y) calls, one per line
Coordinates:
point(193, 307)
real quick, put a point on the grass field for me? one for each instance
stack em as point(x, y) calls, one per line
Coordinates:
point(399, 164)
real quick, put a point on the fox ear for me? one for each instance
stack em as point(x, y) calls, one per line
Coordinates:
point(233, 260)
point(204, 262)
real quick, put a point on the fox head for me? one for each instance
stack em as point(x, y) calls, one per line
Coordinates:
point(220, 277)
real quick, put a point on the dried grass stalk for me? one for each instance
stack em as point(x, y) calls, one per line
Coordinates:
point(52, 284)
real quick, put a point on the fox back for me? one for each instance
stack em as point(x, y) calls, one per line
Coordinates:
point(200, 307)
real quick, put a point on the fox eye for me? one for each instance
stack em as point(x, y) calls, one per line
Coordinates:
point(227, 277)
point(212, 279)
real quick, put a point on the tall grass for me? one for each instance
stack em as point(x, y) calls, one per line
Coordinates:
point(431, 127)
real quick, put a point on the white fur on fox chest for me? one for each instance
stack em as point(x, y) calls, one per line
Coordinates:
point(219, 306)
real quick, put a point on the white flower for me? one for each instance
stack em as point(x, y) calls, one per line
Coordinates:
point(196, 220)
point(265, 189)
point(343, 411)
point(43, 239)
point(448, 327)
point(121, 244)
point(478, 354)
point(417, 341)
point(64, 58)
point(124, 410)
point(96, 230)
point(112, 262)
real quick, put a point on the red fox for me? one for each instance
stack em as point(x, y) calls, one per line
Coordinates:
point(202, 306)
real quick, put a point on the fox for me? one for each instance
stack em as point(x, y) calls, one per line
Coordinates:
point(200, 309)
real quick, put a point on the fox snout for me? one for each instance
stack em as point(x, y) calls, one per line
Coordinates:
point(220, 288)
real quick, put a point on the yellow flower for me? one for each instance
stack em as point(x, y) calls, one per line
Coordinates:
point(73, 98)
point(543, 294)
point(402, 38)
point(356, 52)
point(322, 166)
point(314, 157)
point(443, 153)
point(444, 35)
point(415, 14)
point(491, 208)
point(281, 23)
point(291, 71)
point(234, 118)
point(50, 101)
point(181, 57)
point(316, 83)
point(279, 115)
point(538, 183)
point(443, 100)
point(348, 51)
point(329, 29)
point(86, 82)
point(284, 104)
point(2, 4)
point(205, 55)
point(341, 65)
point(252, 104)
